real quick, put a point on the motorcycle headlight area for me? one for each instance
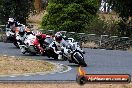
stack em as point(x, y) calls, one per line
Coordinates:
point(73, 47)
point(77, 54)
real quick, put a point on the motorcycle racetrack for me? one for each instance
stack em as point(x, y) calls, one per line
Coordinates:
point(98, 61)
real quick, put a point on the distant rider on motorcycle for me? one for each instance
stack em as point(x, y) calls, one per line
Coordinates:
point(12, 23)
point(58, 45)
point(11, 27)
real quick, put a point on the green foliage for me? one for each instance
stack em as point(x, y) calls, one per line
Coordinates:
point(69, 15)
point(19, 9)
point(125, 28)
point(122, 7)
point(102, 26)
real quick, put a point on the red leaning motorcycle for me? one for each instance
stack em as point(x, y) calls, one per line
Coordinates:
point(32, 45)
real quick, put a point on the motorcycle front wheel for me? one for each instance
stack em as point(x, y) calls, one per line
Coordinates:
point(79, 58)
point(15, 43)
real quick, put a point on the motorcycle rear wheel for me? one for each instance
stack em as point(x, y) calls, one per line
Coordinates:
point(50, 53)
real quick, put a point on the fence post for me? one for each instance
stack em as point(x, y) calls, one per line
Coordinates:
point(71, 34)
point(81, 36)
point(90, 36)
point(101, 39)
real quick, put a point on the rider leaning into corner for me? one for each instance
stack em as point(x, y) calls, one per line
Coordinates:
point(12, 23)
point(40, 38)
point(20, 34)
point(58, 45)
point(11, 27)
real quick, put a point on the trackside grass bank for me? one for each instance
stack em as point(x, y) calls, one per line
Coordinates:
point(14, 65)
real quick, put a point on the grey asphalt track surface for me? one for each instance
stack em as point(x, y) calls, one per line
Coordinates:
point(99, 61)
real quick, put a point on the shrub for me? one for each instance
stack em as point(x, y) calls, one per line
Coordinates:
point(102, 26)
point(19, 9)
point(69, 15)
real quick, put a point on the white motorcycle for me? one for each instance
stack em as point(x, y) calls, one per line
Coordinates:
point(20, 35)
point(70, 51)
point(30, 45)
point(74, 53)
point(9, 33)
point(11, 37)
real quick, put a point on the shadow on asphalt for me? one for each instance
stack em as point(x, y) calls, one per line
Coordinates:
point(73, 65)
point(30, 55)
point(51, 59)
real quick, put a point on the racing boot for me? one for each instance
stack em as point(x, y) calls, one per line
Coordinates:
point(22, 48)
point(42, 52)
point(60, 57)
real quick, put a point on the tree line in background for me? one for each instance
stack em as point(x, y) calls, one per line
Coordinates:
point(40, 5)
point(124, 10)
point(18, 9)
point(81, 16)
point(73, 15)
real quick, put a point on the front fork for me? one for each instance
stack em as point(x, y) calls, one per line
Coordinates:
point(81, 50)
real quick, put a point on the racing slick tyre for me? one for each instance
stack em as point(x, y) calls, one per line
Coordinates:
point(79, 58)
point(17, 46)
point(50, 53)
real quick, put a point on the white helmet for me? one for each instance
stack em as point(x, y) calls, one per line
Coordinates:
point(58, 36)
point(10, 20)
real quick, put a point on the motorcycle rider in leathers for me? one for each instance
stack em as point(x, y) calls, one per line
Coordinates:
point(21, 33)
point(11, 27)
point(58, 45)
point(41, 37)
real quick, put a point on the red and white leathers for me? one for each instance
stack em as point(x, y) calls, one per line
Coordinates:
point(40, 38)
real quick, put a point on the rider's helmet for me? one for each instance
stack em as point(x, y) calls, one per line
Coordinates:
point(11, 21)
point(39, 35)
point(58, 37)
